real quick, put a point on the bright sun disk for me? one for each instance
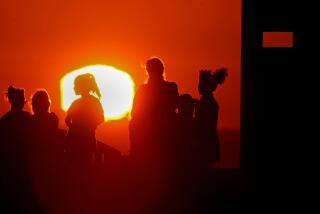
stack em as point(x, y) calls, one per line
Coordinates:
point(116, 87)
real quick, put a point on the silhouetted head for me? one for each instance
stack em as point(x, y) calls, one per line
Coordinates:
point(155, 68)
point(85, 84)
point(186, 105)
point(208, 80)
point(16, 98)
point(40, 102)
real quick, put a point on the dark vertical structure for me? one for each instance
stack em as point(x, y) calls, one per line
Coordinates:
point(273, 102)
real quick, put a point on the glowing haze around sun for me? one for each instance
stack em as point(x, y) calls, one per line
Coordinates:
point(116, 87)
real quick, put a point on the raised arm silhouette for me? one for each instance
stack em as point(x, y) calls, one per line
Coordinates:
point(83, 117)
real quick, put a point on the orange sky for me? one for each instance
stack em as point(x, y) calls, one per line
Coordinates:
point(41, 40)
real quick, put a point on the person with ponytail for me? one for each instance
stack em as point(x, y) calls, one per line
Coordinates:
point(83, 117)
point(206, 115)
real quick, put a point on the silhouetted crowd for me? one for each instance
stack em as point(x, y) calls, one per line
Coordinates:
point(173, 145)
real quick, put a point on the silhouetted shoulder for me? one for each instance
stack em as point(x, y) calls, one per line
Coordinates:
point(94, 99)
point(91, 100)
point(54, 118)
point(16, 125)
point(3, 121)
point(141, 92)
point(85, 111)
point(23, 115)
point(171, 84)
point(73, 105)
point(4, 117)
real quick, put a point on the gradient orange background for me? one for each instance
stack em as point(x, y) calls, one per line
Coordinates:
point(42, 40)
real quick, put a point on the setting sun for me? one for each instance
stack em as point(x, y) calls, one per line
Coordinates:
point(116, 87)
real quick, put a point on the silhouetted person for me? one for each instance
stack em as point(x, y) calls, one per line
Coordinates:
point(206, 115)
point(186, 151)
point(45, 123)
point(15, 128)
point(46, 148)
point(153, 131)
point(153, 110)
point(83, 117)
point(44, 119)
point(187, 129)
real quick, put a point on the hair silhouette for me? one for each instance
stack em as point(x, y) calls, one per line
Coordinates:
point(86, 84)
point(44, 120)
point(40, 102)
point(208, 80)
point(155, 68)
point(16, 98)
